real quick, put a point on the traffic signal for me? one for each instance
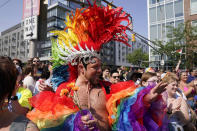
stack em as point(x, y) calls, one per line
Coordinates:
point(110, 7)
point(133, 37)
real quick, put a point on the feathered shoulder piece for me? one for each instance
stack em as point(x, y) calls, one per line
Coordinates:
point(86, 31)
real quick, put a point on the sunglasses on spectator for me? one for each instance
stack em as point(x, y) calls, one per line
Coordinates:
point(116, 77)
point(36, 61)
point(16, 63)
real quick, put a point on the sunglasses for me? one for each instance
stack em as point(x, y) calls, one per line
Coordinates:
point(36, 61)
point(116, 77)
point(16, 63)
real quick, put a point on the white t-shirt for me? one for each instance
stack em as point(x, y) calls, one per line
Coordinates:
point(29, 83)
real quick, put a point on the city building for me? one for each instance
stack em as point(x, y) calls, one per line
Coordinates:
point(12, 43)
point(190, 11)
point(162, 13)
point(52, 16)
point(115, 53)
point(56, 15)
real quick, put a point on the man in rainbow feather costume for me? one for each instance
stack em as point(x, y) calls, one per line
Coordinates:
point(82, 102)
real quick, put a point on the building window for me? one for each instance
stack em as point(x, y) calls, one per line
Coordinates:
point(74, 5)
point(193, 7)
point(18, 35)
point(194, 23)
point(46, 53)
point(169, 11)
point(153, 32)
point(65, 2)
point(159, 32)
point(51, 13)
point(169, 24)
point(152, 58)
point(163, 31)
point(178, 8)
point(60, 23)
point(156, 58)
point(152, 2)
point(178, 22)
point(61, 13)
point(160, 13)
point(152, 14)
point(168, 30)
point(51, 2)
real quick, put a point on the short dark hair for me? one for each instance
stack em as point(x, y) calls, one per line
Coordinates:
point(29, 68)
point(113, 71)
point(191, 70)
point(132, 75)
point(8, 76)
point(36, 58)
point(30, 61)
point(18, 60)
point(84, 64)
point(45, 73)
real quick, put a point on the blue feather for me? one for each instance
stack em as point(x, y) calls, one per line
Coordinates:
point(60, 75)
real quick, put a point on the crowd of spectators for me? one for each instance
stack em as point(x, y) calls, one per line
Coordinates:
point(180, 94)
point(19, 82)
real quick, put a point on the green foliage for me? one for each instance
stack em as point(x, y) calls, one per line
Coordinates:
point(182, 37)
point(137, 57)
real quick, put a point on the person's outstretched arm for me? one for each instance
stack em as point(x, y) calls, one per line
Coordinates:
point(177, 67)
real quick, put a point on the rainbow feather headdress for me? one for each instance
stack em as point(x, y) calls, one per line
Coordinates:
point(87, 31)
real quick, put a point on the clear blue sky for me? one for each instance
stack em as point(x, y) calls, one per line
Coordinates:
point(11, 13)
point(138, 10)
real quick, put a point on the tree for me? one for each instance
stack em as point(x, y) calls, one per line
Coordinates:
point(137, 57)
point(182, 37)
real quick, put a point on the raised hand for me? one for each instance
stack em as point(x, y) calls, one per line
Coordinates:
point(159, 88)
point(44, 87)
point(153, 94)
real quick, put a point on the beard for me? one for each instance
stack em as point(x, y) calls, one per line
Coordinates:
point(94, 81)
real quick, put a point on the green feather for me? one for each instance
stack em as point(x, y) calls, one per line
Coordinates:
point(55, 52)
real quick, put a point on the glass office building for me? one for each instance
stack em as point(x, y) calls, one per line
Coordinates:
point(162, 13)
